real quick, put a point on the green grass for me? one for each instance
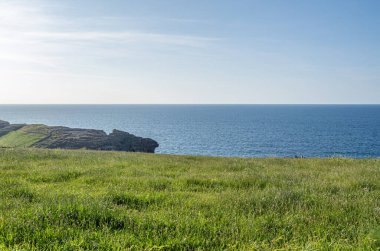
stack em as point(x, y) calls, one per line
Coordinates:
point(24, 137)
point(87, 200)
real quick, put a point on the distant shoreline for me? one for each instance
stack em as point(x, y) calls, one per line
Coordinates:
point(225, 130)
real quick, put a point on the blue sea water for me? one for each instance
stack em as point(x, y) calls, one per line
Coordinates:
point(226, 130)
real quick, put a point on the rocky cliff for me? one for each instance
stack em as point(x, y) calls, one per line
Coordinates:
point(52, 137)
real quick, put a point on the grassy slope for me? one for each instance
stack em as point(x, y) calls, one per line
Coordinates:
point(72, 200)
point(24, 137)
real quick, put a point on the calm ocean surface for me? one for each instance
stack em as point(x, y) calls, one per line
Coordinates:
point(226, 130)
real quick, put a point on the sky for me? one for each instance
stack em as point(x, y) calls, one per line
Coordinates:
point(189, 52)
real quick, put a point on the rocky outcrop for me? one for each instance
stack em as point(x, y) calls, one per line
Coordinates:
point(123, 141)
point(3, 124)
point(53, 137)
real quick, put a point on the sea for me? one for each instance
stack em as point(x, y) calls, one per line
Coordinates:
point(226, 130)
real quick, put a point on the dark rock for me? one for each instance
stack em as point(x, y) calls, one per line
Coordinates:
point(123, 141)
point(73, 138)
point(3, 124)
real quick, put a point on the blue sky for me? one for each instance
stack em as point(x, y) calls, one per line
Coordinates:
point(190, 51)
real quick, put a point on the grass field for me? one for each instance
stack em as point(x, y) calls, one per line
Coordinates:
point(81, 200)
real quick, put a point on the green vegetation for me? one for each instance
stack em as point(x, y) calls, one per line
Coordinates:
point(73, 200)
point(24, 137)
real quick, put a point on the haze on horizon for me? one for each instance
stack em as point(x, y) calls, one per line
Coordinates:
point(179, 51)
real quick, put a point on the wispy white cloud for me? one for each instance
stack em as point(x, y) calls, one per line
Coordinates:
point(16, 49)
point(155, 19)
point(19, 15)
point(31, 36)
point(48, 58)
point(122, 37)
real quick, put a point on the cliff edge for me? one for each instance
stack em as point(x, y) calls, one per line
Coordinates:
point(53, 137)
